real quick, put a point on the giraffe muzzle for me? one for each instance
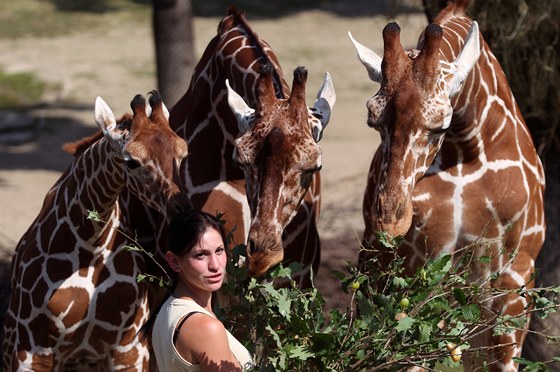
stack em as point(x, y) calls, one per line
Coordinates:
point(177, 203)
point(262, 259)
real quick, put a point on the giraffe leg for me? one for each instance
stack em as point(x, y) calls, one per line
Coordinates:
point(134, 357)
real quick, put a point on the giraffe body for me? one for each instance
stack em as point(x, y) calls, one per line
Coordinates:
point(252, 150)
point(456, 165)
point(74, 296)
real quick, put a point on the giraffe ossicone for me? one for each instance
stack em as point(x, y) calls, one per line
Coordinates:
point(456, 166)
point(319, 114)
point(75, 299)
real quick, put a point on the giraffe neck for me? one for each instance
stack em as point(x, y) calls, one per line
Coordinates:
point(203, 116)
point(484, 92)
point(92, 183)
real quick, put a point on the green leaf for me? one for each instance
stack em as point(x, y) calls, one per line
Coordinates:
point(364, 305)
point(405, 324)
point(484, 259)
point(425, 332)
point(471, 313)
point(399, 282)
point(301, 353)
point(274, 335)
point(93, 215)
point(459, 295)
point(282, 272)
point(360, 354)
point(284, 305)
point(531, 366)
point(442, 263)
point(140, 277)
point(338, 275)
point(131, 247)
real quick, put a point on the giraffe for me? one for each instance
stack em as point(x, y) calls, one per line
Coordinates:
point(74, 296)
point(456, 164)
point(253, 152)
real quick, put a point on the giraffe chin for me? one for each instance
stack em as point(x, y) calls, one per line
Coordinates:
point(261, 262)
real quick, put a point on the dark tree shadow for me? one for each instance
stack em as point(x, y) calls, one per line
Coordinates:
point(32, 138)
point(92, 6)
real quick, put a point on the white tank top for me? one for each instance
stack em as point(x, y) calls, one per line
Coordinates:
point(168, 358)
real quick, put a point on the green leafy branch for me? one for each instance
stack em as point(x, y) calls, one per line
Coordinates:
point(424, 320)
point(393, 320)
point(134, 246)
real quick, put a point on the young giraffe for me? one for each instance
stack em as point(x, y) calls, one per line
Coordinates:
point(74, 295)
point(456, 164)
point(259, 167)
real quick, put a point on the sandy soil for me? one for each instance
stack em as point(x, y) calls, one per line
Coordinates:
point(118, 62)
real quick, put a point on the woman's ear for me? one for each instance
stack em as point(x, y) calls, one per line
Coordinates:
point(173, 261)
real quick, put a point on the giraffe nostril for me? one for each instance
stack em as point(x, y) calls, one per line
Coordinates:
point(252, 247)
point(178, 203)
point(399, 213)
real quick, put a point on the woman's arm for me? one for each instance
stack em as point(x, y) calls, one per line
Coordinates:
point(203, 340)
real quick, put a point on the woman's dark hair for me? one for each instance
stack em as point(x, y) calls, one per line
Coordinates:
point(187, 228)
point(183, 233)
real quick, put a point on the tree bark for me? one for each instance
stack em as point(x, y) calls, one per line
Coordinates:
point(173, 37)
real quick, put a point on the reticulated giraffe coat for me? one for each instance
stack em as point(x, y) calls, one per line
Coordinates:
point(456, 164)
point(253, 152)
point(75, 300)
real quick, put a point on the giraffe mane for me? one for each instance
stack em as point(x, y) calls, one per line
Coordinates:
point(238, 17)
point(78, 147)
point(453, 9)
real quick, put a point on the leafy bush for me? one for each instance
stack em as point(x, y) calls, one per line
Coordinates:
point(420, 320)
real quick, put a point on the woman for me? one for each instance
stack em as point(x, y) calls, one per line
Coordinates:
point(186, 335)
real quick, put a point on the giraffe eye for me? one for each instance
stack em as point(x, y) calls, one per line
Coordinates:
point(312, 170)
point(131, 163)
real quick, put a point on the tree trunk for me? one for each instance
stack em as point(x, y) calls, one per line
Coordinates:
point(433, 7)
point(173, 36)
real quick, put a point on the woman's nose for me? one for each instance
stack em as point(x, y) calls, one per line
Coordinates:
point(214, 262)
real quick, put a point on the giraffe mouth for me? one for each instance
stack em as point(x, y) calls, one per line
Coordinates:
point(177, 203)
point(394, 216)
point(260, 260)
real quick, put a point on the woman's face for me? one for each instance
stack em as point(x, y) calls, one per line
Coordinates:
point(204, 266)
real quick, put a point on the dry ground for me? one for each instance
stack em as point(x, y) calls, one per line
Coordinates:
point(117, 63)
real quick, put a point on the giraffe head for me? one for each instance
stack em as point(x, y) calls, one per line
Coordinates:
point(278, 153)
point(412, 112)
point(149, 151)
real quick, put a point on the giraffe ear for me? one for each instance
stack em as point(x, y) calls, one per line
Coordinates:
point(243, 113)
point(465, 60)
point(165, 110)
point(369, 59)
point(104, 116)
point(322, 108)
